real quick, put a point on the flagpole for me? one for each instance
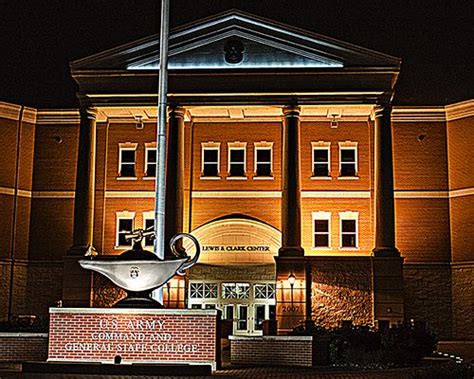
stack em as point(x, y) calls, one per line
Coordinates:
point(160, 186)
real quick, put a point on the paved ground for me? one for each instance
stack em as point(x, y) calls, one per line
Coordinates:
point(253, 372)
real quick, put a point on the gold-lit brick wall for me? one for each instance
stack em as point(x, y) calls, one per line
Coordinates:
point(461, 184)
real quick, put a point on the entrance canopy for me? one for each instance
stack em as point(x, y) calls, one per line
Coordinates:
point(237, 58)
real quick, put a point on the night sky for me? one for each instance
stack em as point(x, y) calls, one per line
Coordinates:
point(38, 39)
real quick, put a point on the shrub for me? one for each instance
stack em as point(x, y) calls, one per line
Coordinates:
point(363, 346)
point(25, 325)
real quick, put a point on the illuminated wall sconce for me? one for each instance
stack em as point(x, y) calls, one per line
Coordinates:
point(291, 280)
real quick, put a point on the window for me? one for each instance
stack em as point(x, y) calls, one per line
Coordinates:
point(237, 159)
point(210, 160)
point(347, 159)
point(235, 290)
point(322, 230)
point(349, 234)
point(321, 159)
point(148, 224)
point(150, 160)
point(264, 291)
point(127, 160)
point(124, 226)
point(203, 290)
point(263, 160)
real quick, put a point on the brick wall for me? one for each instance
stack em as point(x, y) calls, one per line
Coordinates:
point(427, 295)
point(20, 347)
point(94, 334)
point(277, 350)
point(422, 229)
point(463, 301)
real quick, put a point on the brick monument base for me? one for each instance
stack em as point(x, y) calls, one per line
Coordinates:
point(153, 336)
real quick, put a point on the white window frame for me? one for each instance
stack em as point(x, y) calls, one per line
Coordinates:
point(349, 215)
point(122, 215)
point(263, 145)
point(321, 145)
point(237, 145)
point(127, 146)
point(349, 145)
point(321, 215)
point(148, 215)
point(211, 146)
point(149, 147)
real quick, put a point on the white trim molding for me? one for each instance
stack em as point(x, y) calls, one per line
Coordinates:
point(421, 194)
point(58, 116)
point(335, 194)
point(236, 194)
point(460, 110)
point(462, 192)
point(10, 111)
point(419, 114)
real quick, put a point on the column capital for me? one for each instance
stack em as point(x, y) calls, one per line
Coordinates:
point(382, 109)
point(177, 111)
point(90, 112)
point(291, 111)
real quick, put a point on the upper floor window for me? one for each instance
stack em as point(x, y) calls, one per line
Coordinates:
point(349, 229)
point(150, 159)
point(237, 159)
point(321, 159)
point(148, 225)
point(263, 159)
point(124, 226)
point(348, 159)
point(321, 229)
point(210, 159)
point(127, 160)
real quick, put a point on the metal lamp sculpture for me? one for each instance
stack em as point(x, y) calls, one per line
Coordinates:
point(139, 271)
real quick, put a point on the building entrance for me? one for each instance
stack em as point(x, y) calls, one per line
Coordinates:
point(246, 305)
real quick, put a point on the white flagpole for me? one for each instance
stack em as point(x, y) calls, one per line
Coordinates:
point(160, 187)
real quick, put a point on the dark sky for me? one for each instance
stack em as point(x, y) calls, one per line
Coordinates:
point(38, 39)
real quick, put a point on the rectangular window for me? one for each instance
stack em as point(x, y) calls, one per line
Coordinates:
point(150, 162)
point(236, 161)
point(322, 229)
point(348, 161)
point(321, 163)
point(127, 162)
point(242, 321)
point(124, 227)
point(349, 233)
point(149, 224)
point(235, 290)
point(264, 291)
point(263, 161)
point(210, 161)
point(203, 290)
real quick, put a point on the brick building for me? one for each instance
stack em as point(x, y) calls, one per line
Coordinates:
point(280, 162)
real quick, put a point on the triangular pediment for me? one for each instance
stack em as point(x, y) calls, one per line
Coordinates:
point(235, 40)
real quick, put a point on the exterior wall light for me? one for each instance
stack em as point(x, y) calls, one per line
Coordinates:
point(291, 280)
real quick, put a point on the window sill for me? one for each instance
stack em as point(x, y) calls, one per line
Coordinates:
point(263, 178)
point(349, 248)
point(348, 178)
point(126, 178)
point(236, 178)
point(149, 178)
point(122, 247)
point(321, 178)
point(210, 178)
point(321, 248)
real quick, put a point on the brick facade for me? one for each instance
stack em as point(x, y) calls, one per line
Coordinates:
point(432, 223)
point(20, 347)
point(98, 335)
point(280, 351)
